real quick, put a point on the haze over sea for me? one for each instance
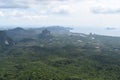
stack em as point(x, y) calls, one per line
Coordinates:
point(98, 30)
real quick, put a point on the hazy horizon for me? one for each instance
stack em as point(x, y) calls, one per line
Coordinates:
point(108, 31)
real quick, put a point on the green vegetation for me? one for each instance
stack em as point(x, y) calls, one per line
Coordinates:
point(62, 57)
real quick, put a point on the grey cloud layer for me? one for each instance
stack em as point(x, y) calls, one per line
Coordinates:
point(7, 4)
point(52, 6)
point(105, 11)
point(11, 4)
point(32, 8)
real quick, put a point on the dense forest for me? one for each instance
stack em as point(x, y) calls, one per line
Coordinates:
point(55, 53)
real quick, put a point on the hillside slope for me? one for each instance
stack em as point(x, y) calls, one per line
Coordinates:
point(76, 56)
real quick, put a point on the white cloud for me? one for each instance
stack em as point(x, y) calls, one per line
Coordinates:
point(107, 7)
point(1, 14)
point(72, 12)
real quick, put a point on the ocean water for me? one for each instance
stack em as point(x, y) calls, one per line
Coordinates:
point(98, 30)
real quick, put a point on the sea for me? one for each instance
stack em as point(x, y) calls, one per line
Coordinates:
point(107, 31)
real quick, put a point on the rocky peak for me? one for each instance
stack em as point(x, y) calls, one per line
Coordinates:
point(46, 34)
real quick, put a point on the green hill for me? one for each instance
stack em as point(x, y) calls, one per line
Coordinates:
point(75, 56)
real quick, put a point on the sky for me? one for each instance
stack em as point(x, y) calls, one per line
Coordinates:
point(97, 13)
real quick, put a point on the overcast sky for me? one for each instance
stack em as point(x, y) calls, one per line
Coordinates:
point(99, 13)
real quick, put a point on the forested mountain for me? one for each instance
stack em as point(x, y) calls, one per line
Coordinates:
point(20, 33)
point(44, 54)
point(5, 41)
